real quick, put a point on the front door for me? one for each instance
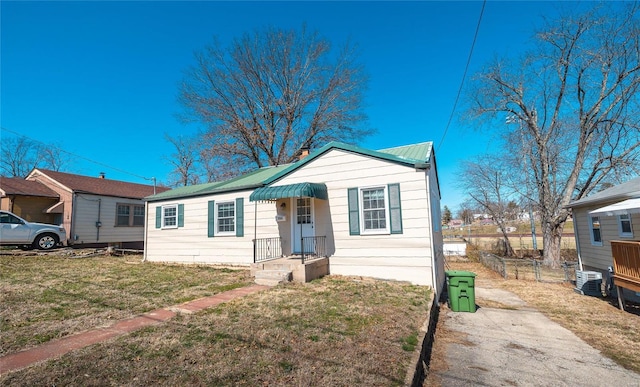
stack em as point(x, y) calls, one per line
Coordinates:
point(303, 224)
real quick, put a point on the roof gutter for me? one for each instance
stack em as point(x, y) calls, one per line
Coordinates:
point(203, 193)
point(422, 166)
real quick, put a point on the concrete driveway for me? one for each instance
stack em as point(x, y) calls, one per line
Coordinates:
point(521, 347)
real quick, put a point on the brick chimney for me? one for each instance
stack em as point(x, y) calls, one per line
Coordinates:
point(303, 152)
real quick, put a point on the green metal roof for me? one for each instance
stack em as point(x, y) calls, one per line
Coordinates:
point(248, 181)
point(418, 152)
point(422, 150)
point(312, 190)
point(416, 155)
point(189, 190)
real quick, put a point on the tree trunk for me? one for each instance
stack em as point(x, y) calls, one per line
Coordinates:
point(552, 237)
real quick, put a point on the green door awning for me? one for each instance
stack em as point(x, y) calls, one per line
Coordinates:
point(311, 190)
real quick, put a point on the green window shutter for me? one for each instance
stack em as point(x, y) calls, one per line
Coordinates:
point(354, 212)
point(395, 212)
point(211, 219)
point(180, 215)
point(240, 217)
point(159, 217)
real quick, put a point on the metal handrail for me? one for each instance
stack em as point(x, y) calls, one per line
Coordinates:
point(265, 249)
point(315, 246)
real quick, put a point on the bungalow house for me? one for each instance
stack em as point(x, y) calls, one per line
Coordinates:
point(605, 221)
point(361, 212)
point(94, 211)
point(30, 200)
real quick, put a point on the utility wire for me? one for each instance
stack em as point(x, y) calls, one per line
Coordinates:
point(75, 155)
point(464, 76)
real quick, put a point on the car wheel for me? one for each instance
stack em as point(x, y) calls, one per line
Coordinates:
point(46, 241)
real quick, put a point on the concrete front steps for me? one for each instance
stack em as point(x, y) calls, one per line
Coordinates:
point(272, 277)
point(287, 269)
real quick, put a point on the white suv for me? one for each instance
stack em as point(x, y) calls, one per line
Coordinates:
point(15, 231)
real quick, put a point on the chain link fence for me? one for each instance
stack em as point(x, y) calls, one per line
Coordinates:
point(529, 269)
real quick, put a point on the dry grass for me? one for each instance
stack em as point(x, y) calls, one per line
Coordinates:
point(597, 321)
point(336, 331)
point(47, 297)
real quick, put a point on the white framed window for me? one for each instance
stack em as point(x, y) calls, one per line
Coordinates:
point(624, 226)
point(596, 231)
point(170, 216)
point(225, 218)
point(374, 211)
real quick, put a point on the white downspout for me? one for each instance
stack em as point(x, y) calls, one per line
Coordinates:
point(146, 230)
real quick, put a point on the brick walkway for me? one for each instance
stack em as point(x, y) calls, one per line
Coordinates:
point(56, 348)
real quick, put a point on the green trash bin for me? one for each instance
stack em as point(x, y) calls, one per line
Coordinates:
point(461, 290)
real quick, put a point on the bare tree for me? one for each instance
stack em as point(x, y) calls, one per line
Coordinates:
point(53, 157)
point(271, 92)
point(575, 99)
point(19, 156)
point(488, 185)
point(184, 160)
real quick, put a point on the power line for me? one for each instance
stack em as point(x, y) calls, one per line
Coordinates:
point(75, 155)
point(464, 76)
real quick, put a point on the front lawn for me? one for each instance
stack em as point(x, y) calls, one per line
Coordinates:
point(335, 331)
point(47, 297)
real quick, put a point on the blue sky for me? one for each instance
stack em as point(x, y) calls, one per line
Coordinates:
point(100, 79)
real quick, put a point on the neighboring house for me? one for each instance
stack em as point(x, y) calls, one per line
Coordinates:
point(609, 215)
point(30, 200)
point(96, 211)
point(455, 223)
point(373, 213)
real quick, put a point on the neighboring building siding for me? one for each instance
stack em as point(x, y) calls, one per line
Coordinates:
point(65, 197)
point(90, 209)
point(32, 208)
point(599, 257)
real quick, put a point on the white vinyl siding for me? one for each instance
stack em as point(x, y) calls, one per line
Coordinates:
point(405, 255)
point(192, 242)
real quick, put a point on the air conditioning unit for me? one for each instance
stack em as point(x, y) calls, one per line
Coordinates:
point(589, 283)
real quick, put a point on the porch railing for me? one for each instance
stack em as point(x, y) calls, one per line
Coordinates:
point(626, 267)
point(265, 249)
point(314, 247)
